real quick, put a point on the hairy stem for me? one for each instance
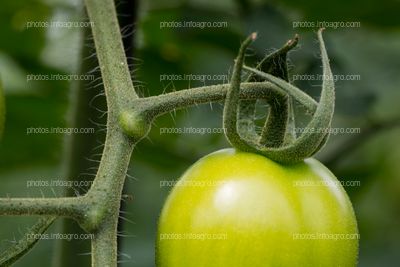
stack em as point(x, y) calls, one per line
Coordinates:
point(104, 239)
point(155, 106)
point(106, 190)
point(68, 206)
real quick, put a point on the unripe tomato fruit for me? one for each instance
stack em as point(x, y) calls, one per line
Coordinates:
point(237, 209)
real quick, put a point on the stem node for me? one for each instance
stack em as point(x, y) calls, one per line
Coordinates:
point(134, 124)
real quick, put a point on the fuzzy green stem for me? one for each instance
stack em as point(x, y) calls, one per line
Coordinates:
point(68, 206)
point(155, 106)
point(104, 239)
point(145, 110)
point(110, 52)
point(106, 190)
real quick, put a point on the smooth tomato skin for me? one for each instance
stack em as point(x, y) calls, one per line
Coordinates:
point(237, 209)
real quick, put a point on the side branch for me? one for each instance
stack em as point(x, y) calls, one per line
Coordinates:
point(66, 206)
point(155, 106)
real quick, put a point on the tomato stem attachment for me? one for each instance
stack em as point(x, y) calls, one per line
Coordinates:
point(317, 131)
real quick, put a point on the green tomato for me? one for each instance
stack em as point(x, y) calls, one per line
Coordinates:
point(237, 209)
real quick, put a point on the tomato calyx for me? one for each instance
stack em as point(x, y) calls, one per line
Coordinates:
point(278, 140)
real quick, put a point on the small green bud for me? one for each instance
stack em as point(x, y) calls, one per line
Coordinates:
point(134, 124)
point(92, 219)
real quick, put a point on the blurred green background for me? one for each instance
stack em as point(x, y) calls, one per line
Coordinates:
point(371, 51)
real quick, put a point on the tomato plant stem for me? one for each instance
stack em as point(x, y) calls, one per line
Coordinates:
point(102, 217)
point(67, 206)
